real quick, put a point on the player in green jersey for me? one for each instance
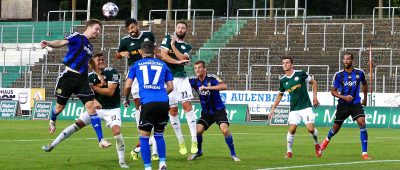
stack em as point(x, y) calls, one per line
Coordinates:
point(107, 103)
point(295, 83)
point(173, 49)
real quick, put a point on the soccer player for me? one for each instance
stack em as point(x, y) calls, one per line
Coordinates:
point(74, 78)
point(108, 98)
point(152, 74)
point(213, 110)
point(129, 48)
point(174, 49)
point(295, 83)
point(346, 87)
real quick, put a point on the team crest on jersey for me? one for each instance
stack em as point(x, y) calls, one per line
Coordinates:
point(115, 77)
point(183, 47)
point(58, 91)
point(357, 76)
point(146, 39)
point(296, 78)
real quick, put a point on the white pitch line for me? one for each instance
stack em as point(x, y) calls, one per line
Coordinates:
point(330, 164)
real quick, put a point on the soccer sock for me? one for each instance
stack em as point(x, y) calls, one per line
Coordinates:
point(159, 137)
point(330, 134)
point(177, 127)
point(53, 115)
point(290, 139)
point(229, 142)
point(67, 132)
point(153, 144)
point(315, 136)
point(191, 119)
point(145, 151)
point(96, 124)
point(120, 146)
point(200, 143)
point(364, 139)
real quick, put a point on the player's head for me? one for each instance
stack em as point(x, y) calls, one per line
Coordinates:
point(132, 27)
point(348, 60)
point(200, 68)
point(287, 63)
point(97, 62)
point(93, 28)
point(147, 49)
point(180, 29)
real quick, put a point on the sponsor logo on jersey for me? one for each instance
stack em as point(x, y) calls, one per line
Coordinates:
point(183, 47)
point(296, 78)
point(146, 39)
point(132, 44)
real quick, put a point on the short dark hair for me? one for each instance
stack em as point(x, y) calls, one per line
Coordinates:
point(98, 55)
point(130, 21)
point(92, 22)
point(350, 54)
point(182, 22)
point(91, 63)
point(288, 57)
point(200, 62)
point(147, 47)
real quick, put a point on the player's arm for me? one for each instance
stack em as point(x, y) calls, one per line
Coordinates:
point(276, 102)
point(165, 57)
point(216, 84)
point(315, 90)
point(334, 89)
point(364, 89)
point(109, 91)
point(54, 43)
point(119, 55)
point(178, 54)
point(170, 86)
point(127, 90)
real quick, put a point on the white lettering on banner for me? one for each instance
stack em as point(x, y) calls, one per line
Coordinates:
point(396, 122)
point(231, 113)
point(20, 94)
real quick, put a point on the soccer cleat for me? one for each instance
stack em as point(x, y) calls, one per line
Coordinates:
point(182, 148)
point(194, 156)
point(52, 126)
point(155, 157)
point(235, 158)
point(123, 165)
point(134, 155)
point(318, 151)
point(47, 148)
point(365, 157)
point(104, 144)
point(324, 144)
point(164, 167)
point(288, 155)
point(194, 148)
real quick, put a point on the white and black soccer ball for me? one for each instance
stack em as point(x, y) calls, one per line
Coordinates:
point(110, 9)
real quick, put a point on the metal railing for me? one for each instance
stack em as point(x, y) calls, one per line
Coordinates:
point(249, 50)
point(268, 73)
point(391, 17)
point(360, 50)
point(64, 21)
point(305, 33)
point(183, 10)
point(285, 17)
point(383, 77)
point(17, 35)
point(21, 50)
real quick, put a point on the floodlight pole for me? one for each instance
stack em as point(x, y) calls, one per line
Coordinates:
point(134, 9)
point(89, 2)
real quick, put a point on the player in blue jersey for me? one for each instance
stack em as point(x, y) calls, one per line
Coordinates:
point(108, 107)
point(213, 110)
point(346, 87)
point(74, 79)
point(152, 74)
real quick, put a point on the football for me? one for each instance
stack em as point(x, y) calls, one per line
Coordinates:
point(110, 10)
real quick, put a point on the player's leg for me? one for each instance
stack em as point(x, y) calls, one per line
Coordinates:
point(342, 113)
point(153, 144)
point(136, 100)
point(67, 132)
point(222, 121)
point(145, 126)
point(185, 96)
point(293, 120)
point(359, 116)
point(203, 124)
point(174, 118)
point(309, 118)
point(159, 126)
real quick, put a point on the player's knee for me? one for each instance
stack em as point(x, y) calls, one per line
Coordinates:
point(116, 130)
point(59, 108)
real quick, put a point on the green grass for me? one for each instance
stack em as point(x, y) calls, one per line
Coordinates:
point(258, 147)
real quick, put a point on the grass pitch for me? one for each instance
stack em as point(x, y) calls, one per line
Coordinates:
point(258, 146)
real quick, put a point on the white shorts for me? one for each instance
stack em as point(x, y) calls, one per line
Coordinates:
point(182, 91)
point(112, 117)
point(306, 115)
point(135, 89)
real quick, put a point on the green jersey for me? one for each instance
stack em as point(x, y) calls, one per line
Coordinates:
point(110, 76)
point(132, 45)
point(177, 70)
point(296, 86)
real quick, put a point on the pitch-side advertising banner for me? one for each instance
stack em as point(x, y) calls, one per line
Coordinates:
point(25, 96)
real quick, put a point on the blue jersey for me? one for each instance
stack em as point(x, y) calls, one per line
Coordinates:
point(151, 74)
point(349, 84)
point(79, 52)
point(210, 100)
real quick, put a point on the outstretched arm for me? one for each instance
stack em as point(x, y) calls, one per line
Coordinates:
point(54, 43)
point(277, 101)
